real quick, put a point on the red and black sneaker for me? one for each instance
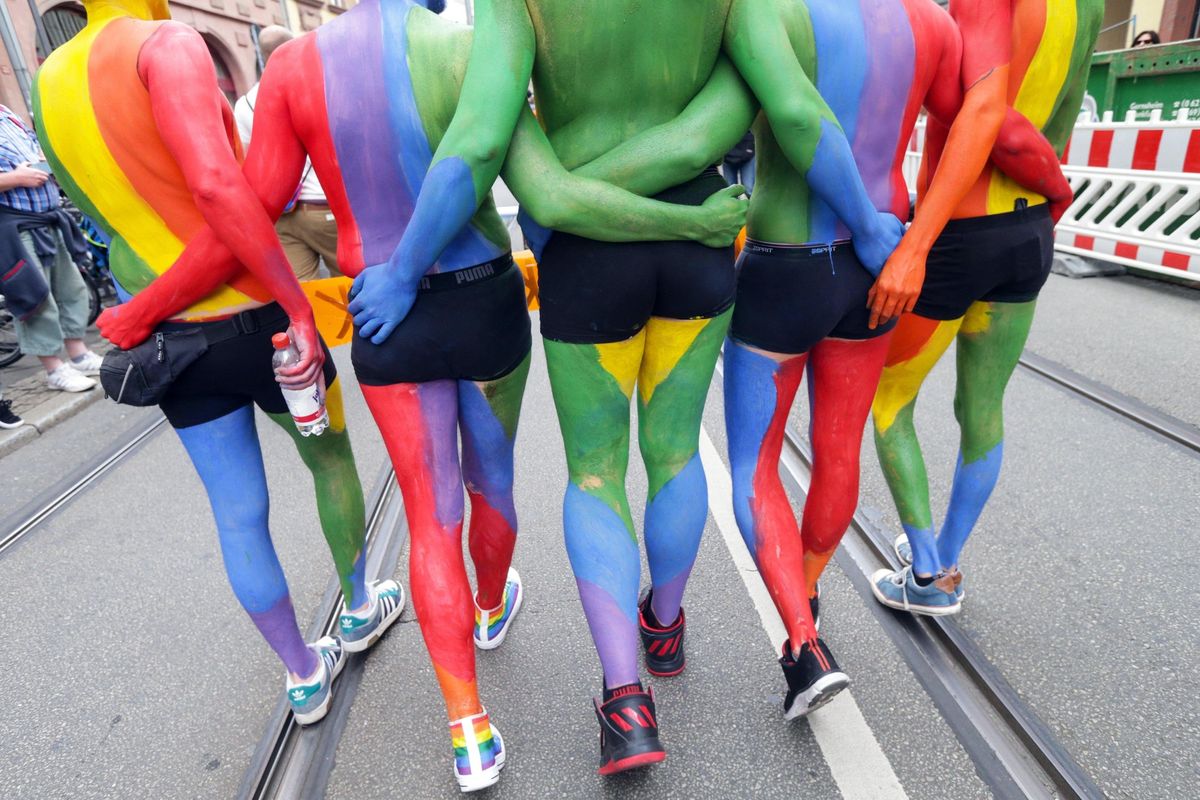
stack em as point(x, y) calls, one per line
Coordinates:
point(813, 678)
point(628, 730)
point(664, 646)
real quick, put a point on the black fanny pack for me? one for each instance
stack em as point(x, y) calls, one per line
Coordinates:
point(141, 375)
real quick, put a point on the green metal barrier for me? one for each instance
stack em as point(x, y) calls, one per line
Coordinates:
point(1165, 78)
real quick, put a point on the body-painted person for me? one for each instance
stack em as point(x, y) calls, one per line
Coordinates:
point(983, 278)
point(139, 136)
point(802, 291)
point(615, 317)
point(459, 360)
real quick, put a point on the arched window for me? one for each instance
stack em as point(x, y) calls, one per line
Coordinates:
point(63, 22)
point(224, 76)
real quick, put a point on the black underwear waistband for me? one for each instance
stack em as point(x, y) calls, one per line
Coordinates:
point(441, 281)
point(796, 251)
point(1019, 216)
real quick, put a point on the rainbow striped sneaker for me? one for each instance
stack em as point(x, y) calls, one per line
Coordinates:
point(478, 752)
point(358, 633)
point(492, 626)
point(310, 700)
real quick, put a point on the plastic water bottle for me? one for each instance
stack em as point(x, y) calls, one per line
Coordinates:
point(307, 406)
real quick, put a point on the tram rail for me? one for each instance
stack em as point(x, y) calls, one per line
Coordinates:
point(294, 762)
point(1165, 426)
point(29, 517)
point(1014, 751)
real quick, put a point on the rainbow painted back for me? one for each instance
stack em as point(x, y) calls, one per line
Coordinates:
point(1052, 47)
point(96, 127)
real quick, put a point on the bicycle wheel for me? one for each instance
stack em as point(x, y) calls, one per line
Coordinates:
point(93, 296)
point(9, 350)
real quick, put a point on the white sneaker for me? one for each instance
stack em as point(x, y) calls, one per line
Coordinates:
point(87, 364)
point(68, 379)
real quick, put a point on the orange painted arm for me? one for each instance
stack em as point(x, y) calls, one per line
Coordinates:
point(986, 49)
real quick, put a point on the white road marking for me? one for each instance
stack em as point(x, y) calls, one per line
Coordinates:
point(857, 762)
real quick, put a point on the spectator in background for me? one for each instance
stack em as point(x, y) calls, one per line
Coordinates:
point(1146, 39)
point(738, 166)
point(307, 229)
point(35, 230)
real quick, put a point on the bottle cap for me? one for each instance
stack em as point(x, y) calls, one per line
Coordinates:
point(281, 341)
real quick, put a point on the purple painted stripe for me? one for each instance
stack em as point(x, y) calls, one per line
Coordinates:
point(891, 52)
point(439, 426)
point(356, 97)
point(613, 631)
point(278, 626)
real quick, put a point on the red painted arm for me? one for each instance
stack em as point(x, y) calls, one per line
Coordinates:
point(240, 230)
point(982, 71)
point(178, 73)
point(1024, 154)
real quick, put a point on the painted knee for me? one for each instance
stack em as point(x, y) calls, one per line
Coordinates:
point(980, 423)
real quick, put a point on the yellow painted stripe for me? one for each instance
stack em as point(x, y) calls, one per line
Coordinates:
point(672, 339)
point(70, 124)
point(900, 382)
point(1040, 89)
point(622, 359)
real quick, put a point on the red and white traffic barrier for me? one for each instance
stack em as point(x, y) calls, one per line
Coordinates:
point(1137, 193)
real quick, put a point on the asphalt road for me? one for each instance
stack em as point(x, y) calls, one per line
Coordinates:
point(132, 672)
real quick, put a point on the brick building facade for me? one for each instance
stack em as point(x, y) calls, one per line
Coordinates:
point(229, 27)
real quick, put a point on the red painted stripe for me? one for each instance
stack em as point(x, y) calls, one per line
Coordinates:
point(1191, 161)
point(1101, 148)
point(1176, 260)
point(1126, 250)
point(1145, 150)
point(649, 716)
point(312, 114)
point(1085, 242)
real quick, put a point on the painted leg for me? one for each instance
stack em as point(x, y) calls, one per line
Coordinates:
point(917, 344)
point(676, 371)
point(990, 343)
point(592, 386)
point(227, 456)
point(844, 375)
point(488, 415)
point(339, 494)
point(759, 390)
point(419, 423)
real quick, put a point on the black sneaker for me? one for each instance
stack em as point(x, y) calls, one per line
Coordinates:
point(814, 605)
point(813, 679)
point(7, 418)
point(664, 646)
point(628, 731)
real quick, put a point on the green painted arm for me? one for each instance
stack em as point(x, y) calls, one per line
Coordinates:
point(559, 200)
point(676, 151)
point(493, 91)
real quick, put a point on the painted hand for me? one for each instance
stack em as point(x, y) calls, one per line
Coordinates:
point(899, 285)
point(126, 325)
point(302, 374)
point(379, 301)
point(722, 216)
point(882, 237)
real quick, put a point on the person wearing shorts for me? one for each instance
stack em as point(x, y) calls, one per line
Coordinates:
point(152, 157)
point(361, 98)
point(982, 279)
